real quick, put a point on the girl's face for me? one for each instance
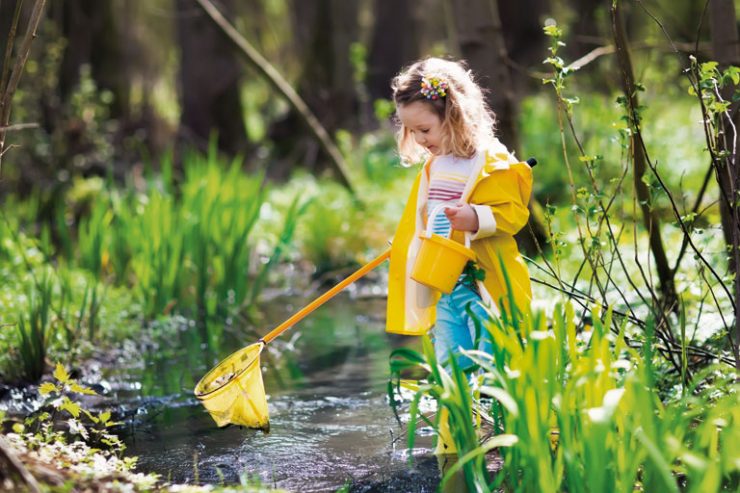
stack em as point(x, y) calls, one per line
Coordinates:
point(425, 126)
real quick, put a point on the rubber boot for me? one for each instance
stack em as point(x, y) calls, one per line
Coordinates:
point(445, 444)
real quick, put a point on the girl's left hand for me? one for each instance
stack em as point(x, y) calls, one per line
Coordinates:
point(462, 217)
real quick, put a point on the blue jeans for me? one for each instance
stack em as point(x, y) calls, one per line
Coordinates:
point(455, 330)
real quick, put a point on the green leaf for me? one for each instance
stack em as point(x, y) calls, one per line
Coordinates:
point(552, 30)
point(71, 407)
point(81, 389)
point(662, 467)
point(708, 66)
point(503, 397)
point(60, 373)
point(47, 388)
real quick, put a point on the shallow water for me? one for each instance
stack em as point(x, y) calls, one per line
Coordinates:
point(330, 422)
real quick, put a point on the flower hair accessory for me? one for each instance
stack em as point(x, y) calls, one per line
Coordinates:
point(433, 88)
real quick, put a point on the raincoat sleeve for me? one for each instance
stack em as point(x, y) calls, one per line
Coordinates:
point(501, 199)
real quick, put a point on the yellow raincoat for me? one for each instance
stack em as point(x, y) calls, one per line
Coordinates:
point(498, 189)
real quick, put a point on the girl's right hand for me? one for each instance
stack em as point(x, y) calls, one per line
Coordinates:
point(462, 217)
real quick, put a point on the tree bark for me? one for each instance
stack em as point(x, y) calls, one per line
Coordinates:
point(209, 77)
point(726, 51)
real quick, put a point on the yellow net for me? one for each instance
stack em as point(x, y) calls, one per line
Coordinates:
point(233, 392)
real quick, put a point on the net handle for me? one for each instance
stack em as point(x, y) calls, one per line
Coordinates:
point(303, 312)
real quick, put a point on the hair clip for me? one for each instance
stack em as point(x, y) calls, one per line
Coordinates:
point(433, 88)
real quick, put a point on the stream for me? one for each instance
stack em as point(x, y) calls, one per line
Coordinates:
point(331, 425)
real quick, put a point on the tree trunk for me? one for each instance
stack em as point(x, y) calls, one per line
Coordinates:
point(395, 44)
point(93, 33)
point(323, 33)
point(521, 23)
point(209, 81)
point(726, 50)
point(481, 39)
point(273, 77)
point(639, 159)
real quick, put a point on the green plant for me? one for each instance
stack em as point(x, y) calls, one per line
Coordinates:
point(92, 237)
point(35, 328)
point(450, 389)
point(158, 259)
point(580, 412)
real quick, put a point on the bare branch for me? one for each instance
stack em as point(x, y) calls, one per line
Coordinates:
point(15, 75)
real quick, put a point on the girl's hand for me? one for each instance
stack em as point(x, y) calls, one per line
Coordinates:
point(462, 217)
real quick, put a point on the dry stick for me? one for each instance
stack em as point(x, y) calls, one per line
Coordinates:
point(18, 126)
point(281, 85)
point(698, 25)
point(574, 199)
point(15, 75)
point(587, 257)
point(9, 49)
point(605, 218)
point(580, 297)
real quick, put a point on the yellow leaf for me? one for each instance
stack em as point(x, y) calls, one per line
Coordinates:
point(81, 389)
point(47, 388)
point(60, 373)
point(104, 417)
point(18, 428)
point(71, 407)
point(89, 415)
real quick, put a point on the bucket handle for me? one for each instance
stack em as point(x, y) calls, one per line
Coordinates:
point(433, 216)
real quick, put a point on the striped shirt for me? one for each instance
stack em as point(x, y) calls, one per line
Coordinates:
point(447, 178)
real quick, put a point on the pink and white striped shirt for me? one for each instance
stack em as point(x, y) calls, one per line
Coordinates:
point(447, 178)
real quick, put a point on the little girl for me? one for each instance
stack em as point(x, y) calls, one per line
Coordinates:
point(445, 119)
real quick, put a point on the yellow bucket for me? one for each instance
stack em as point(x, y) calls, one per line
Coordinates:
point(233, 391)
point(440, 260)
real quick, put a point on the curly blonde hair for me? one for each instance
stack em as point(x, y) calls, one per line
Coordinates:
point(467, 120)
